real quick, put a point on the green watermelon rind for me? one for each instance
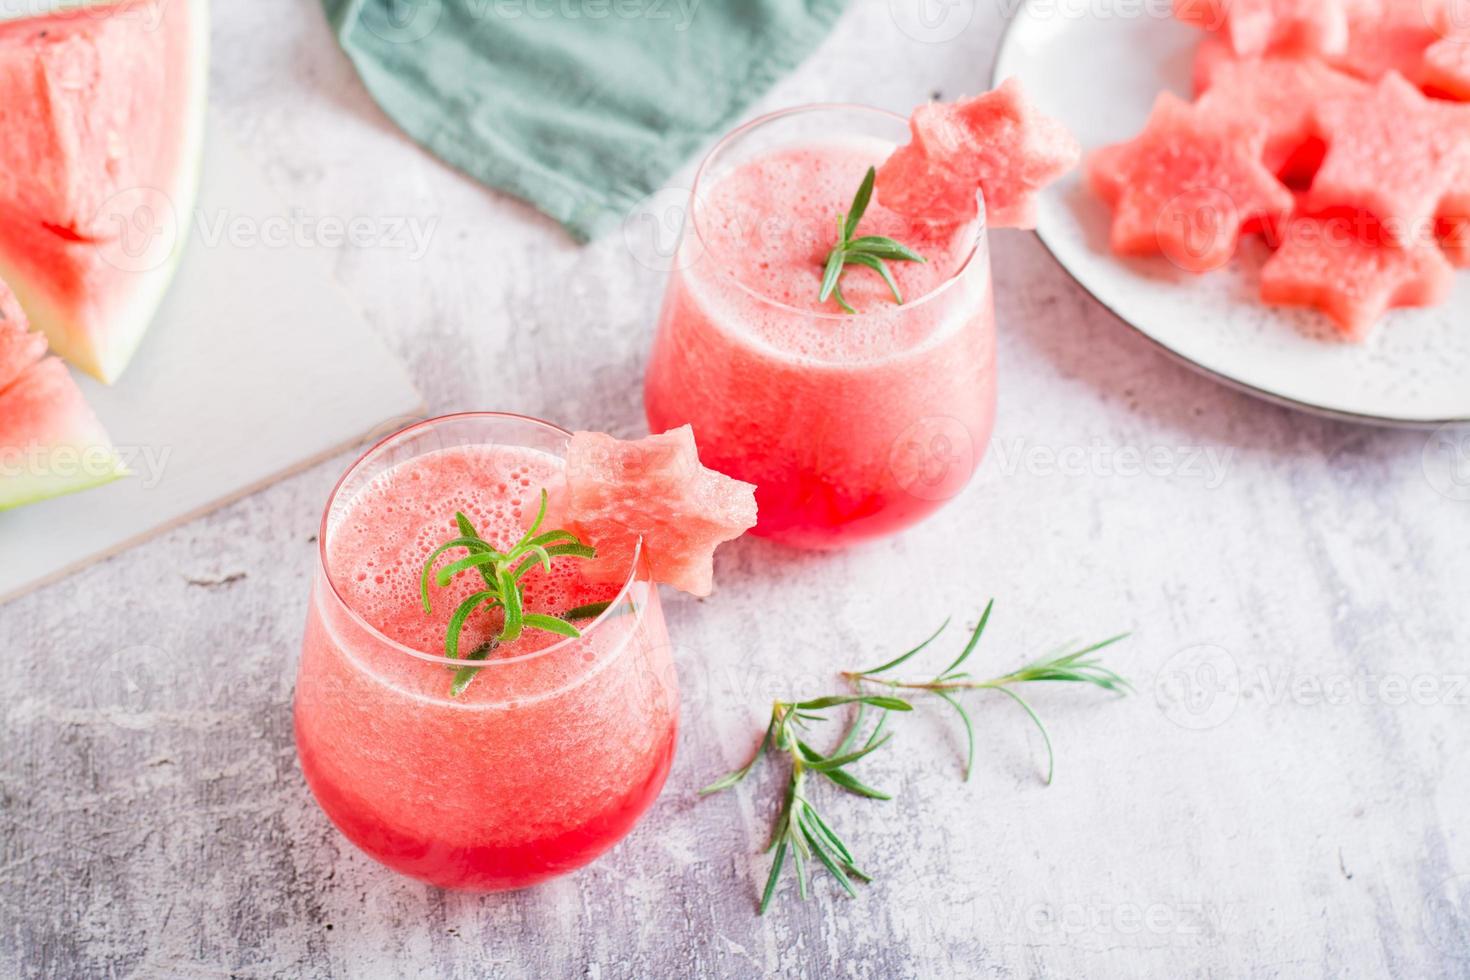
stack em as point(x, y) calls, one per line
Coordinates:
point(87, 436)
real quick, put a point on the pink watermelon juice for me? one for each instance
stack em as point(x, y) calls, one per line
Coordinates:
point(850, 426)
point(553, 751)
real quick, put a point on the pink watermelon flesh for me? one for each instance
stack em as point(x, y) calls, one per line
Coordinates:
point(657, 490)
point(1254, 26)
point(1346, 266)
point(1454, 241)
point(1394, 153)
point(1278, 91)
point(1390, 36)
point(102, 111)
point(1188, 186)
point(20, 348)
point(996, 143)
point(50, 441)
point(1446, 68)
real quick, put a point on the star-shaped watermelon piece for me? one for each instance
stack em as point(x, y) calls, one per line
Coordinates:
point(654, 491)
point(1256, 26)
point(1446, 68)
point(1187, 186)
point(1390, 35)
point(1392, 152)
point(1345, 265)
point(1279, 91)
point(998, 143)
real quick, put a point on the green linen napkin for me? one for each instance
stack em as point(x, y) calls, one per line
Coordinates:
point(581, 107)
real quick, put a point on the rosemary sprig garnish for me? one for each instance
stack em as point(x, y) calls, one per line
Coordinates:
point(502, 573)
point(1076, 667)
point(869, 251)
point(800, 831)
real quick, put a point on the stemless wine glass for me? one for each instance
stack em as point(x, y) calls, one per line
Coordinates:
point(850, 426)
point(543, 762)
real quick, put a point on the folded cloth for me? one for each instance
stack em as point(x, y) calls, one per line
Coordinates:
point(580, 107)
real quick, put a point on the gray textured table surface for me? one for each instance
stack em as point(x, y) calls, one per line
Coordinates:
point(1305, 814)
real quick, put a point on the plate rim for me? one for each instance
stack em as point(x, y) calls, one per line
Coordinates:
point(1007, 38)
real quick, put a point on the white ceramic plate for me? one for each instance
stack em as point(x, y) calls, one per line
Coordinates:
point(1098, 67)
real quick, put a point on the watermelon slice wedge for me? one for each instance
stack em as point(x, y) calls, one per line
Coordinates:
point(654, 489)
point(50, 441)
point(102, 107)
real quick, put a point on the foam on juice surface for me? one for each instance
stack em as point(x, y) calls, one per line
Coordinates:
point(769, 224)
point(377, 546)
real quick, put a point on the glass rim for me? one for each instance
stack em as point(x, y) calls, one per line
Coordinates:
point(701, 175)
point(378, 635)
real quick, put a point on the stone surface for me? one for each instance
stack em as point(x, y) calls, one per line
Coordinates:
point(1303, 815)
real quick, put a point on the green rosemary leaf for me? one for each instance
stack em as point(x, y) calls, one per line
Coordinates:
point(842, 300)
point(540, 516)
point(974, 638)
point(464, 675)
point(884, 248)
point(457, 621)
point(859, 204)
point(829, 277)
point(552, 537)
point(533, 555)
point(839, 761)
point(433, 557)
point(1051, 759)
point(852, 729)
point(590, 611)
point(550, 624)
point(510, 601)
point(443, 576)
point(811, 815)
point(969, 732)
point(878, 266)
point(877, 701)
point(815, 844)
point(904, 658)
point(775, 876)
point(574, 549)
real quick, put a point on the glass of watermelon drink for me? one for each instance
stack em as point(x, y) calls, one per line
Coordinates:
point(557, 745)
point(851, 426)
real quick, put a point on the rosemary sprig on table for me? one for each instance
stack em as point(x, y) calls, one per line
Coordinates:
point(502, 573)
point(869, 251)
point(800, 831)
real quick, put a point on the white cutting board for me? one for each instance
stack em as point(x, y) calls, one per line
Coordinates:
point(256, 366)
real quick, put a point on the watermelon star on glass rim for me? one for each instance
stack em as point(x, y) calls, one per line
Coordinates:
point(837, 349)
point(486, 696)
point(1189, 186)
